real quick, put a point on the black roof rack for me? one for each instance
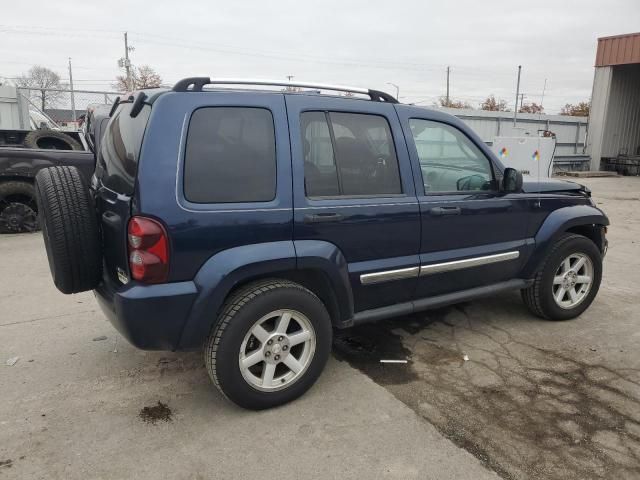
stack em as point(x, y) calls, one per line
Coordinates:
point(196, 84)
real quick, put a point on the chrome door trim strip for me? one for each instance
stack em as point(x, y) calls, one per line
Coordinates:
point(412, 272)
point(385, 276)
point(467, 263)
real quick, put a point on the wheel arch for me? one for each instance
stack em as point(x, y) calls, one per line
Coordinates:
point(227, 271)
point(584, 220)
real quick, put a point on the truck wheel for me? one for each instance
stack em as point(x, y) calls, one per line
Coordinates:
point(568, 281)
point(50, 139)
point(69, 228)
point(18, 209)
point(269, 345)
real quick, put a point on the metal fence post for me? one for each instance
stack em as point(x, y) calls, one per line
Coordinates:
point(19, 99)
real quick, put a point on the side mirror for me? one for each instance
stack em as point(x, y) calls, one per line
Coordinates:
point(511, 181)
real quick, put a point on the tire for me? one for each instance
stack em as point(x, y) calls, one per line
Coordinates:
point(51, 139)
point(18, 209)
point(70, 229)
point(540, 297)
point(231, 339)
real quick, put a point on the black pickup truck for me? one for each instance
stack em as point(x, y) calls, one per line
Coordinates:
point(19, 165)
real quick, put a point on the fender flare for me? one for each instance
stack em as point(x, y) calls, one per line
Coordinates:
point(222, 272)
point(328, 258)
point(557, 223)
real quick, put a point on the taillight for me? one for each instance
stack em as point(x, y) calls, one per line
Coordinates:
point(148, 250)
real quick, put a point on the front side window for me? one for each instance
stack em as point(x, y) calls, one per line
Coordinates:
point(230, 156)
point(348, 154)
point(449, 161)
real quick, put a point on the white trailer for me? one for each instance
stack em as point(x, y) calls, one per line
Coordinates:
point(532, 155)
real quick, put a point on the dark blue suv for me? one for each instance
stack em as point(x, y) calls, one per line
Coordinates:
point(253, 222)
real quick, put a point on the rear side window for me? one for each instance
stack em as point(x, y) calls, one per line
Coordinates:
point(120, 148)
point(230, 156)
point(348, 154)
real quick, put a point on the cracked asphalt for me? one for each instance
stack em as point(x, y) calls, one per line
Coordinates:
point(535, 399)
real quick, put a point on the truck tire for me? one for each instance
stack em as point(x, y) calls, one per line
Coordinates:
point(269, 345)
point(70, 229)
point(568, 280)
point(51, 139)
point(18, 209)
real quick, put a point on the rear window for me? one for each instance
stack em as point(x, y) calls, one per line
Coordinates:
point(230, 156)
point(121, 148)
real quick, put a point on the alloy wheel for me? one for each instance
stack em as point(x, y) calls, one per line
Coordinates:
point(277, 350)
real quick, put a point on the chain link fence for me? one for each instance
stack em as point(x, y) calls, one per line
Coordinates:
point(65, 107)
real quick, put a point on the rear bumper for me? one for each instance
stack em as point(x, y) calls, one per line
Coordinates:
point(150, 317)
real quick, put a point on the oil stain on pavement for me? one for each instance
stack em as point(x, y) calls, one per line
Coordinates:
point(156, 413)
point(524, 411)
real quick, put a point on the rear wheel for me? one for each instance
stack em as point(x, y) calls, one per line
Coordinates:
point(18, 210)
point(270, 344)
point(568, 281)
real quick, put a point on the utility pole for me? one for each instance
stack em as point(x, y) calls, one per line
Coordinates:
point(73, 100)
point(515, 111)
point(448, 70)
point(290, 88)
point(127, 62)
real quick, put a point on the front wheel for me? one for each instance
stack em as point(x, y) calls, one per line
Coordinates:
point(568, 281)
point(269, 345)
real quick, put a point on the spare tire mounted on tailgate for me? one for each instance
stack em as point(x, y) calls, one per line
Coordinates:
point(70, 229)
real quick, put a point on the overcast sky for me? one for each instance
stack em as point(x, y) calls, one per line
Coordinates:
point(362, 43)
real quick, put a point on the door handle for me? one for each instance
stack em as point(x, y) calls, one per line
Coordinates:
point(439, 211)
point(323, 217)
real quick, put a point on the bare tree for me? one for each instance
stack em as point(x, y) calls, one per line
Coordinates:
point(142, 77)
point(493, 104)
point(451, 103)
point(581, 109)
point(42, 80)
point(532, 107)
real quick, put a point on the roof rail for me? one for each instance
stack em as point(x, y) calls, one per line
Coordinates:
point(196, 84)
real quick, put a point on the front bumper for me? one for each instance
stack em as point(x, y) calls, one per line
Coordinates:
point(150, 317)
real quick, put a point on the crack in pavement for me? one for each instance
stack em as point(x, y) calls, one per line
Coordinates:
point(523, 410)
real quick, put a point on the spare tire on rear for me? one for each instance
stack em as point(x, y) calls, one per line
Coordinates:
point(70, 229)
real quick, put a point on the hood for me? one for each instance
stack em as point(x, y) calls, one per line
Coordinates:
point(551, 185)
